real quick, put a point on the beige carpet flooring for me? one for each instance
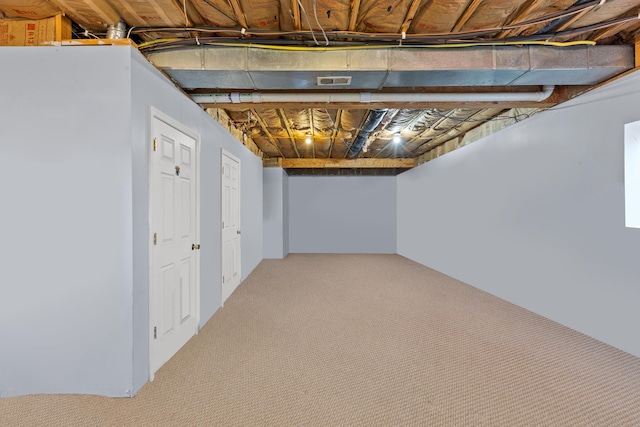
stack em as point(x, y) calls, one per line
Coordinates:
point(365, 340)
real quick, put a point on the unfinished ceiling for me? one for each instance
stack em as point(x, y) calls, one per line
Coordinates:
point(361, 86)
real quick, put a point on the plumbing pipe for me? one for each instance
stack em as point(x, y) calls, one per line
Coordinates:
point(368, 97)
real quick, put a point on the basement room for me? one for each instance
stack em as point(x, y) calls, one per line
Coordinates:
point(320, 212)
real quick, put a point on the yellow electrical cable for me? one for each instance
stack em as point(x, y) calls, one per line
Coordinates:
point(432, 46)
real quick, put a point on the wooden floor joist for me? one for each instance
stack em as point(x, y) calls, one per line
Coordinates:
point(339, 163)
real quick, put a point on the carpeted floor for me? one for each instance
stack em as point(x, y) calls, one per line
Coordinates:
point(366, 340)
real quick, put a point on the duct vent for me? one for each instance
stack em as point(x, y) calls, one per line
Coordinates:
point(334, 81)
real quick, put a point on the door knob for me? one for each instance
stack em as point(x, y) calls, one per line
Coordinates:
point(194, 246)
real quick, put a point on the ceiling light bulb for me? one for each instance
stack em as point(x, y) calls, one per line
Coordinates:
point(308, 139)
point(396, 138)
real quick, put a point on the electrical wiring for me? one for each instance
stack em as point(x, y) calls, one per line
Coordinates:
point(306, 17)
point(595, 27)
point(432, 38)
point(517, 117)
point(217, 9)
point(573, 10)
point(183, 42)
point(315, 13)
point(377, 40)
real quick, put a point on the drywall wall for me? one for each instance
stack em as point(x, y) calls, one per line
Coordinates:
point(74, 301)
point(275, 213)
point(342, 214)
point(151, 88)
point(534, 214)
point(66, 224)
point(285, 214)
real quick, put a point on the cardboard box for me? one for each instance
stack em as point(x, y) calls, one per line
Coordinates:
point(28, 9)
point(21, 32)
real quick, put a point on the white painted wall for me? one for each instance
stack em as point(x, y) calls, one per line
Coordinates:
point(534, 214)
point(275, 213)
point(74, 295)
point(342, 214)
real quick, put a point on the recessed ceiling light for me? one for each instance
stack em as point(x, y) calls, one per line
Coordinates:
point(308, 139)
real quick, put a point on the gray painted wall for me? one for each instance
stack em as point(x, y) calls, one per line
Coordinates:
point(66, 227)
point(273, 213)
point(74, 300)
point(285, 214)
point(534, 214)
point(342, 214)
point(151, 88)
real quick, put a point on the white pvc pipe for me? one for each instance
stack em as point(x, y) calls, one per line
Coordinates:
point(367, 97)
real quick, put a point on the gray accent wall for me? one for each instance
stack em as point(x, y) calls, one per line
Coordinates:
point(74, 294)
point(342, 214)
point(275, 213)
point(534, 214)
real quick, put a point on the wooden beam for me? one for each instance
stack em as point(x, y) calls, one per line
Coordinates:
point(426, 132)
point(573, 19)
point(100, 42)
point(336, 130)
point(408, 125)
point(312, 131)
point(347, 163)
point(272, 162)
point(265, 129)
point(444, 136)
point(637, 51)
point(354, 9)
point(521, 15)
point(610, 31)
point(469, 11)
point(295, 8)
point(239, 13)
point(101, 8)
point(410, 15)
point(283, 117)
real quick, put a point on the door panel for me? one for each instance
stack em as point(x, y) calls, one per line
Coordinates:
point(172, 292)
point(185, 290)
point(231, 242)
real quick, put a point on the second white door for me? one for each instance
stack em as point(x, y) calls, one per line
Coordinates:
point(230, 224)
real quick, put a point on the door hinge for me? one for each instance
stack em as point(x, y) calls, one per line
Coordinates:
point(155, 144)
point(223, 170)
point(155, 238)
point(222, 279)
point(155, 333)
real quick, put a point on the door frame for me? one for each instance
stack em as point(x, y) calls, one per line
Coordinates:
point(223, 153)
point(156, 114)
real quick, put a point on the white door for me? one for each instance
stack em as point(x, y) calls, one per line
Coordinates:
point(174, 242)
point(230, 224)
